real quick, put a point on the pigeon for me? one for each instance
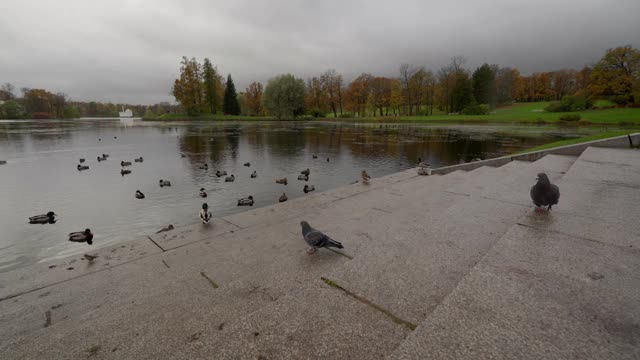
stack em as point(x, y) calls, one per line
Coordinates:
point(90, 257)
point(316, 239)
point(544, 193)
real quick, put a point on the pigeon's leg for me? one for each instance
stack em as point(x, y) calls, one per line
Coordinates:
point(312, 251)
point(549, 208)
point(537, 210)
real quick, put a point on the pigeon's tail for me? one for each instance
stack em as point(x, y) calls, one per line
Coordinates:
point(333, 243)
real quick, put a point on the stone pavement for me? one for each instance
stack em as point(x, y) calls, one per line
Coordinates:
point(444, 266)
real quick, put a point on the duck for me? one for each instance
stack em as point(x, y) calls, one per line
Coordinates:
point(82, 160)
point(247, 164)
point(221, 173)
point(303, 177)
point(203, 193)
point(82, 236)
point(125, 163)
point(164, 183)
point(101, 159)
point(281, 181)
point(115, 137)
point(139, 194)
point(305, 172)
point(2, 162)
point(365, 177)
point(82, 167)
point(327, 159)
point(205, 214)
point(124, 172)
point(104, 156)
point(90, 257)
point(248, 201)
point(314, 156)
point(254, 174)
point(183, 155)
point(204, 166)
point(308, 188)
point(165, 229)
point(231, 178)
point(48, 218)
point(140, 159)
point(283, 198)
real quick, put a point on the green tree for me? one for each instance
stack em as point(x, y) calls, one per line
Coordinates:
point(617, 75)
point(284, 96)
point(71, 112)
point(483, 83)
point(210, 78)
point(230, 106)
point(11, 109)
point(462, 92)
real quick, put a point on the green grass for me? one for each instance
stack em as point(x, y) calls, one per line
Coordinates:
point(599, 136)
point(517, 113)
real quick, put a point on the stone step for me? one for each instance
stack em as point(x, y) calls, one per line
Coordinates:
point(475, 184)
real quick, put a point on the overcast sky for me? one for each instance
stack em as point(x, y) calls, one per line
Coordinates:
point(129, 51)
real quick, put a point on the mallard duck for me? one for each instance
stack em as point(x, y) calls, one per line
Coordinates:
point(104, 156)
point(283, 198)
point(248, 201)
point(204, 166)
point(231, 178)
point(82, 160)
point(203, 193)
point(82, 236)
point(139, 194)
point(125, 163)
point(314, 156)
point(82, 167)
point(164, 183)
point(221, 173)
point(140, 159)
point(124, 172)
point(205, 215)
point(303, 177)
point(247, 164)
point(365, 177)
point(305, 172)
point(254, 174)
point(48, 218)
point(308, 188)
point(281, 181)
point(101, 159)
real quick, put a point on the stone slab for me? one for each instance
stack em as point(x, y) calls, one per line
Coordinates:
point(192, 233)
point(477, 182)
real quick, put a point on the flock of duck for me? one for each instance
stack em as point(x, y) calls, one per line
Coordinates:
point(205, 215)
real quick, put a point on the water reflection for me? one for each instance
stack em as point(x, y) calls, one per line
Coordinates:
point(40, 174)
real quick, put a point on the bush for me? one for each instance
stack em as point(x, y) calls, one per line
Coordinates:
point(317, 113)
point(346, 115)
point(570, 117)
point(570, 103)
point(475, 109)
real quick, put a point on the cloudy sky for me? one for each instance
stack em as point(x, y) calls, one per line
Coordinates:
point(129, 51)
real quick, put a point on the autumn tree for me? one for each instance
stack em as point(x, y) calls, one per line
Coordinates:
point(210, 89)
point(284, 96)
point(332, 82)
point(230, 106)
point(507, 85)
point(188, 88)
point(7, 92)
point(357, 94)
point(563, 82)
point(406, 73)
point(380, 94)
point(582, 81)
point(253, 98)
point(316, 94)
point(617, 75)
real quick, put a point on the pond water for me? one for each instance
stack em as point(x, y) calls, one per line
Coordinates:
point(41, 175)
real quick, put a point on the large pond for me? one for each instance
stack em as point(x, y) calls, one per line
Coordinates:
point(40, 174)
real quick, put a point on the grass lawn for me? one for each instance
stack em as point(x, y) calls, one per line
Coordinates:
point(599, 136)
point(519, 113)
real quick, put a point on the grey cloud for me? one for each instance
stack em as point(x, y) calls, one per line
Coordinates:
point(129, 51)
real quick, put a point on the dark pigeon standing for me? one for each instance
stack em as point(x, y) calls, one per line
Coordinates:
point(316, 239)
point(544, 193)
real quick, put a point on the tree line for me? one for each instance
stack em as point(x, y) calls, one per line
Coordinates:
point(415, 91)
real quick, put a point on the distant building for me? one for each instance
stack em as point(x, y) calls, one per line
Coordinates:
point(126, 113)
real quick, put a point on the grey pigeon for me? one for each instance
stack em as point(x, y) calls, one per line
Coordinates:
point(544, 193)
point(316, 239)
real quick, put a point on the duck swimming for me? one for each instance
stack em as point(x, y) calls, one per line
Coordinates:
point(305, 172)
point(254, 174)
point(82, 160)
point(247, 164)
point(231, 178)
point(125, 163)
point(82, 236)
point(248, 201)
point(203, 193)
point(283, 198)
point(165, 183)
point(101, 159)
point(124, 172)
point(104, 156)
point(221, 173)
point(82, 167)
point(48, 218)
point(204, 166)
point(139, 194)
point(308, 188)
point(282, 181)
point(314, 156)
point(140, 159)
point(205, 214)
point(303, 177)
